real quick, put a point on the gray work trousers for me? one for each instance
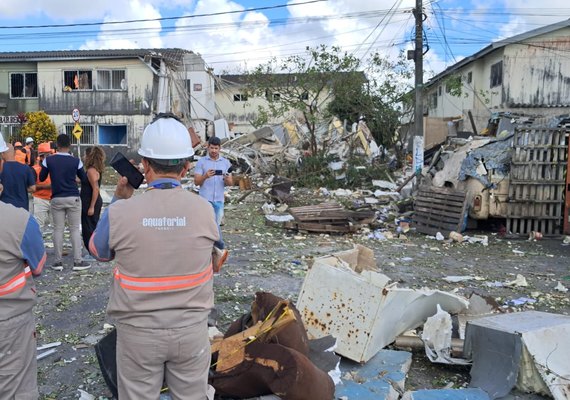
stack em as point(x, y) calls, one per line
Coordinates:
point(62, 209)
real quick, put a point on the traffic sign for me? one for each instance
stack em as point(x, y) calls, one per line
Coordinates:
point(77, 131)
point(75, 114)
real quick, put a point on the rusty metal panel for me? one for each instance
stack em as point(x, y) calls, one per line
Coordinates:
point(362, 310)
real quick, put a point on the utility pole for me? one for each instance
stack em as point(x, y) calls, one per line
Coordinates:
point(418, 150)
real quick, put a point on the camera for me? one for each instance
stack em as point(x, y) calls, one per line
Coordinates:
point(218, 172)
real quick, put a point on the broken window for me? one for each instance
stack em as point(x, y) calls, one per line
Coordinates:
point(111, 79)
point(469, 77)
point(240, 97)
point(497, 74)
point(77, 80)
point(23, 85)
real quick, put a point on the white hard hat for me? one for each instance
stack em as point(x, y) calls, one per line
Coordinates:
point(3, 146)
point(166, 138)
point(29, 140)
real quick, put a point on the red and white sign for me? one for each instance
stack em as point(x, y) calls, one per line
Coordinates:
point(75, 114)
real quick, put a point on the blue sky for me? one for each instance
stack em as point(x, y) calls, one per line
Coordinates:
point(233, 42)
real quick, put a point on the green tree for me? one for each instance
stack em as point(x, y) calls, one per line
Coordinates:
point(300, 83)
point(39, 126)
point(379, 101)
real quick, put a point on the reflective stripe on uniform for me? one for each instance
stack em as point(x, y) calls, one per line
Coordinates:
point(16, 282)
point(163, 283)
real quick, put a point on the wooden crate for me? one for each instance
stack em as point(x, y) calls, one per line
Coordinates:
point(439, 210)
point(537, 181)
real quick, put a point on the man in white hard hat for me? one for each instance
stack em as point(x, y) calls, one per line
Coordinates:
point(162, 241)
point(22, 256)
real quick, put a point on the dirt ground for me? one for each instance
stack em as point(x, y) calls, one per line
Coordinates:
point(72, 305)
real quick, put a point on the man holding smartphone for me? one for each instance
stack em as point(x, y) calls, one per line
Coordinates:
point(162, 290)
point(212, 174)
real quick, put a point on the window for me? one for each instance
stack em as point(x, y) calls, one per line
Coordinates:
point(447, 88)
point(304, 96)
point(87, 137)
point(276, 97)
point(240, 97)
point(77, 80)
point(497, 74)
point(433, 100)
point(469, 77)
point(439, 91)
point(112, 134)
point(23, 85)
point(111, 79)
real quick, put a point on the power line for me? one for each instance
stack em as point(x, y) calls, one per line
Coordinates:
point(161, 18)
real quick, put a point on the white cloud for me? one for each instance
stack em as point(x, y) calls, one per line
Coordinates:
point(248, 38)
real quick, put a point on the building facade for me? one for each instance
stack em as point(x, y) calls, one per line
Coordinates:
point(527, 74)
point(117, 92)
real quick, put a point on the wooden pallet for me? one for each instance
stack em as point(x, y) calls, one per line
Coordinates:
point(537, 181)
point(328, 217)
point(439, 210)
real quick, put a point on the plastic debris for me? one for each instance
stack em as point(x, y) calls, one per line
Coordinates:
point(520, 301)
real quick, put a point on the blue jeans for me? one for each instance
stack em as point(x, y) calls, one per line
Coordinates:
point(219, 213)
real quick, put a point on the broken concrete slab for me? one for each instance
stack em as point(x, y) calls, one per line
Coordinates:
point(381, 378)
point(520, 349)
point(360, 308)
point(446, 394)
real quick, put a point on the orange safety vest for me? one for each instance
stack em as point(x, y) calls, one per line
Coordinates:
point(16, 282)
point(21, 156)
point(41, 193)
point(159, 284)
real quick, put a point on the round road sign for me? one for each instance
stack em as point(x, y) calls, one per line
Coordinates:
point(75, 114)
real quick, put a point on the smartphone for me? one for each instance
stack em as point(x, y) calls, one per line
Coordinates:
point(125, 168)
point(219, 172)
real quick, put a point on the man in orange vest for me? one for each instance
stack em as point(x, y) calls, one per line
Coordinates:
point(23, 255)
point(42, 195)
point(162, 241)
point(20, 154)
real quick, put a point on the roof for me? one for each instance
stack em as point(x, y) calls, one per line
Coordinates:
point(279, 77)
point(498, 45)
point(172, 54)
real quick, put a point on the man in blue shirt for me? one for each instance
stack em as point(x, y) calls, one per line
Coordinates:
point(17, 179)
point(63, 169)
point(212, 174)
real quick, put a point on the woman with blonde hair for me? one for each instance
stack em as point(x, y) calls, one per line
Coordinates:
point(91, 201)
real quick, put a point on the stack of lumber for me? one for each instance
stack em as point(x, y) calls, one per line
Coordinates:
point(329, 217)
